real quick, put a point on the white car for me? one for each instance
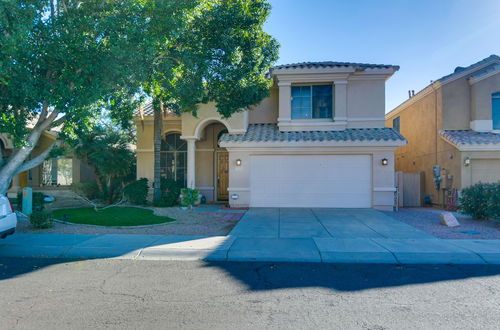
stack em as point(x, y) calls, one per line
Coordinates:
point(8, 218)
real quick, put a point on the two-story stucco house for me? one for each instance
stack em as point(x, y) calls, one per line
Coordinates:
point(318, 140)
point(454, 123)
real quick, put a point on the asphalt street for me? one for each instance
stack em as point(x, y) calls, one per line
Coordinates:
point(141, 294)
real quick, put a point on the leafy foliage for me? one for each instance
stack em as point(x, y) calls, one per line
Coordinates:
point(41, 219)
point(88, 189)
point(137, 192)
point(38, 202)
point(107, 150)
point(170, 191)
point(189, 197)
point(481, 201)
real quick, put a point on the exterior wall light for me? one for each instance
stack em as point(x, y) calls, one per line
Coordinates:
point(238, 162)
point(467, 161)
point(234, 196)
point(385, 161)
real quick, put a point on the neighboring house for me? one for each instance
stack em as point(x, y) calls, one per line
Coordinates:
point(53, 176)
point(454, 123)
point(318, 140)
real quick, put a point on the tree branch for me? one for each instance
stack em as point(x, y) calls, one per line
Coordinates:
point(38, 159)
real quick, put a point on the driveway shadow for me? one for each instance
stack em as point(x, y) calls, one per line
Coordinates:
point(346, 277)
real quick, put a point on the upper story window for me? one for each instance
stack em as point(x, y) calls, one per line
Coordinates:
point(495, 110)
point(396, 124)
point(312, 102)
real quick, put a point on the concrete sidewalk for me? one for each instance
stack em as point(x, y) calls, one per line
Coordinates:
point(231, 248)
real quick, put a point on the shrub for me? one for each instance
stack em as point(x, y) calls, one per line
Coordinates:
point(481, 201)
point(87, 189)
point(38, 203)
point(170, 191)
point(41, 219)
point(137, 192)
point(189, 197)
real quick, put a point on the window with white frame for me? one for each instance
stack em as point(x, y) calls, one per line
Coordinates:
point(312, 102)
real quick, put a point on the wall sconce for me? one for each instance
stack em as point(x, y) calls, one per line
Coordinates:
point(467, 161)
point(385, 162)
point(238, 162)
point(234, 196)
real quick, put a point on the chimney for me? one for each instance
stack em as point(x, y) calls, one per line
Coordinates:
point(409, 94)
point(412, 93)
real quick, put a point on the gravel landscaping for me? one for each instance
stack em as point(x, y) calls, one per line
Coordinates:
point(427, 219)
point(187, 223)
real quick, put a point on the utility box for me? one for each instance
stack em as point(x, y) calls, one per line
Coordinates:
point(27, 201)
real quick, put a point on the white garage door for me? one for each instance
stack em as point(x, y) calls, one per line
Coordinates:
point(485, 170)
point(311, 181)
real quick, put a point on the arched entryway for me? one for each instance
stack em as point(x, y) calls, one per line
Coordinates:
point(212, 163)
point(173, 158)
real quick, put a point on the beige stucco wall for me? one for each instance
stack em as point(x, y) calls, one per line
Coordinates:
point(192, 127)
point(266, 111)
point(419, 124)
point(481, 92)
point(492, 158)
point(456, 104)
point(365, 101)
point(382, 176)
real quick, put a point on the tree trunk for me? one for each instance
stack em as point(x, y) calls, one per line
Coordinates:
point(158, 122)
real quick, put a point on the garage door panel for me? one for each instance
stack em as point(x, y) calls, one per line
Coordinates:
point(485, 170)
point(311, 181)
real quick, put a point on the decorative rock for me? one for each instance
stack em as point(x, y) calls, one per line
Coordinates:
point(449, 220)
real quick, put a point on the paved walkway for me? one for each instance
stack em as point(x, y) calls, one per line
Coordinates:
point(299, 235)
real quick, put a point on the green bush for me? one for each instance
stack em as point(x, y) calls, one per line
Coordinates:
point(38, 203)
point(481, 201)
point(137, 192)
point(87, 189)
point(41, 219)
point(189, 197)
point(170, 191)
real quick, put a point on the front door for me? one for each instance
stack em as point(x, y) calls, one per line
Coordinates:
point(222, 175)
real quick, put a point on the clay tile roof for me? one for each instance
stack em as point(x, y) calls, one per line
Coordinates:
point(264, 133)
point(469, 137)
point(331, 64)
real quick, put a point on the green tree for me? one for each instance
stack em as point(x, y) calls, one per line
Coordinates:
point(206, 51)
point(57, 59)
point(107, 150)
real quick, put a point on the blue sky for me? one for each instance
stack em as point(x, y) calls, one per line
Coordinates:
point(427, 39)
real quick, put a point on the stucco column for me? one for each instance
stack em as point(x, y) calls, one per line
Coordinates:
point(284, 101)
point(340, 99)
point(191, 163)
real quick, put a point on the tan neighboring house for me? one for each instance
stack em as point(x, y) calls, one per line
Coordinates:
point(454, 123)
point(318, 140)
point(53, 176)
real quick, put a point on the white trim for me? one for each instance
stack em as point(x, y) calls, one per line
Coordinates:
point(236, 131)
point(339, 118)
point(481, 125)
point(187, 138)
point(340, 82)
point(237, 189)
point(475, 79)
point(365, 118)
point(205, 122)
point(481, 147)
point(284, 83)
point(384, 189)
point(144, 150)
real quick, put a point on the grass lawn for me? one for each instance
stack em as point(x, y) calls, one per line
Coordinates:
point(114, 216)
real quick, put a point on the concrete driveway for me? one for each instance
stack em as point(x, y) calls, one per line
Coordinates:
point(323, 223)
